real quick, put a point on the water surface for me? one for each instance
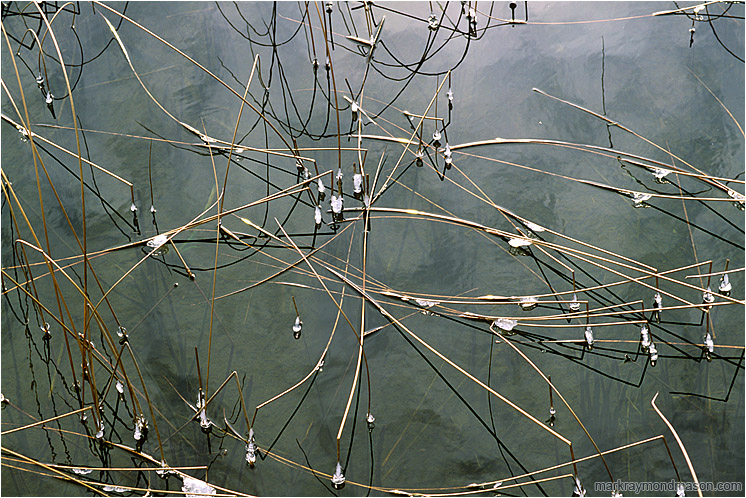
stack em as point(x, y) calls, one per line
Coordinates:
point(436, 430)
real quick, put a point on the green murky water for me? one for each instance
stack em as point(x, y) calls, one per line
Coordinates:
point(436, 429)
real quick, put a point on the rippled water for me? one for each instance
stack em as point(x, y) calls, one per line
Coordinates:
point(436, 429)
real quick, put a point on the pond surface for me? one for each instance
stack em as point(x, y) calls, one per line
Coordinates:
point(589, 100)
